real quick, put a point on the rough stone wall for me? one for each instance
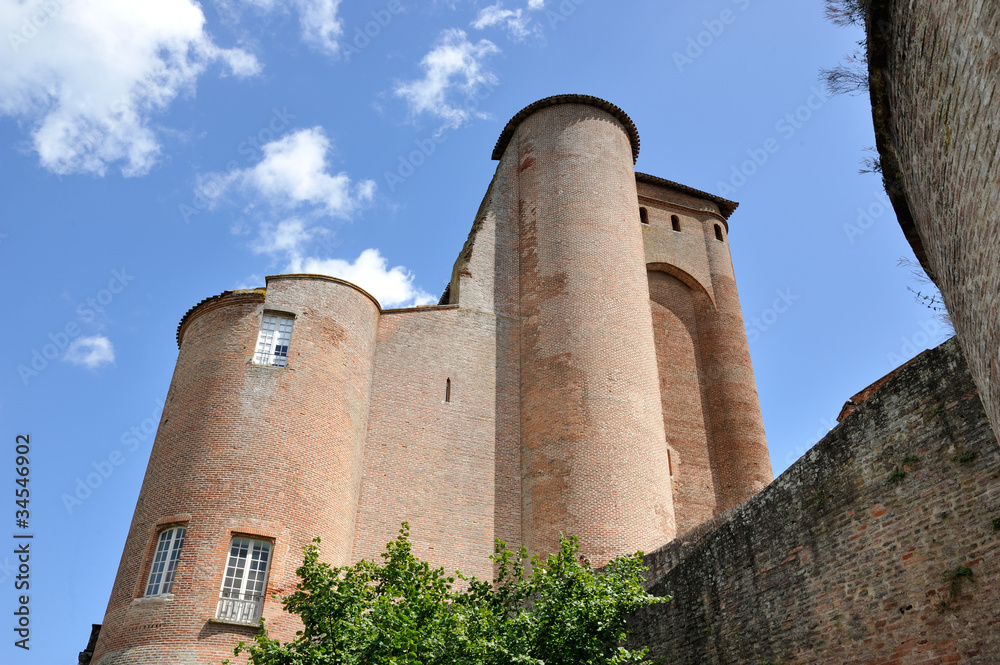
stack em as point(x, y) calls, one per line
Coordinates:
point(844, 560)
point(934, 71)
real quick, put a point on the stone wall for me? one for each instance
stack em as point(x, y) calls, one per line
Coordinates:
point(934, 70)
point(880, 546)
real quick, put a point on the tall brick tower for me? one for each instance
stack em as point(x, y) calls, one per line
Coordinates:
point(585, 372)
point(590, 409)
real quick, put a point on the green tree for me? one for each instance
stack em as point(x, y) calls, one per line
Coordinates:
point(555, 610)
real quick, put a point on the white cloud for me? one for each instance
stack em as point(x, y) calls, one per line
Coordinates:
point(288, 236)
point(294, 182)
point(535, 5)
point(453, 71)
point(514, 21)
point(392, 287)
point(90, 352)
point(320, 25)
point(318, 20)
point(294, 173)
point(88, 77)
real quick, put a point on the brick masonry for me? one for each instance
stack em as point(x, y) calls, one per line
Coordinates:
point(586, 373)
point(838, 562)
point(935, 87)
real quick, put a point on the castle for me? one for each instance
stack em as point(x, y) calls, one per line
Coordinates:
point(586, 372)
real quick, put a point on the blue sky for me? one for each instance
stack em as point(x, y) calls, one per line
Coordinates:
point(153, 154)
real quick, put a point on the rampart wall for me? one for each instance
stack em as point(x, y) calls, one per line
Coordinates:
point(880, 546)
point(935, 87)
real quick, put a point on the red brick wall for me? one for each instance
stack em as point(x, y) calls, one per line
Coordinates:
point(592, 440)
point(675, 325)
point(427, 461)
point(739, 447)
point(560, 391)
point(249, 450)
point(724, 460)
point(835, 562)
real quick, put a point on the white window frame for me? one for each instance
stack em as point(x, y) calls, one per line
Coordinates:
point(164, 567)
point(273, 340)
point(244, 582)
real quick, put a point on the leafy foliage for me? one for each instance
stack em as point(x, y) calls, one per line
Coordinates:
point(552, 611)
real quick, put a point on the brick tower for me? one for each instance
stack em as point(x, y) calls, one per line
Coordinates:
point(585, 372)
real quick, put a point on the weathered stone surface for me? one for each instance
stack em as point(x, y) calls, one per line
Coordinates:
point(935, 77)
point(844, 559)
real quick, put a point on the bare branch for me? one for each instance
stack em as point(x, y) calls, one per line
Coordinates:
point(845, 12)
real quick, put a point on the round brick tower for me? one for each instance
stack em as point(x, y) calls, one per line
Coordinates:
point(742, 461)
point(260, 448)
point(592, 439)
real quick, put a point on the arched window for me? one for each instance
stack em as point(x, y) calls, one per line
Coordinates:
point(718, 233)
point(643, 216)
point(675, 222)
point(447, 390)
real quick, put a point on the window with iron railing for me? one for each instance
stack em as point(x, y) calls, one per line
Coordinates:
point(273, 340)
point(164, 566)
point(242, 597)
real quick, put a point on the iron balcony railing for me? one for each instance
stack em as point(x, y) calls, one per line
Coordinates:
point(235, 607)
point(277, 359)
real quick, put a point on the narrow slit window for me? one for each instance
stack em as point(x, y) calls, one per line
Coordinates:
point(675, 222)
point(168, 551)
point(643, 216)
point(670, 464)
point(447, 390)
point(718, 233)
point(272, 343)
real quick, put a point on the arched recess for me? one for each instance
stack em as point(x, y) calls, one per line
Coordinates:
point(674, 308)
point(685, 277)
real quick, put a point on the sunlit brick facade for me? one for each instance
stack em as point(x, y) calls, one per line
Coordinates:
point(586, 372)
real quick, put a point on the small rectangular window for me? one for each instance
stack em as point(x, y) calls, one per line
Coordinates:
point(168, 551)
point(272, 343)
point(245, 581)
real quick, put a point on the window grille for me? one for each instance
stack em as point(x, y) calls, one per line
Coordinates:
point(272, 343)
point(168, 550)
point(245, 581)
